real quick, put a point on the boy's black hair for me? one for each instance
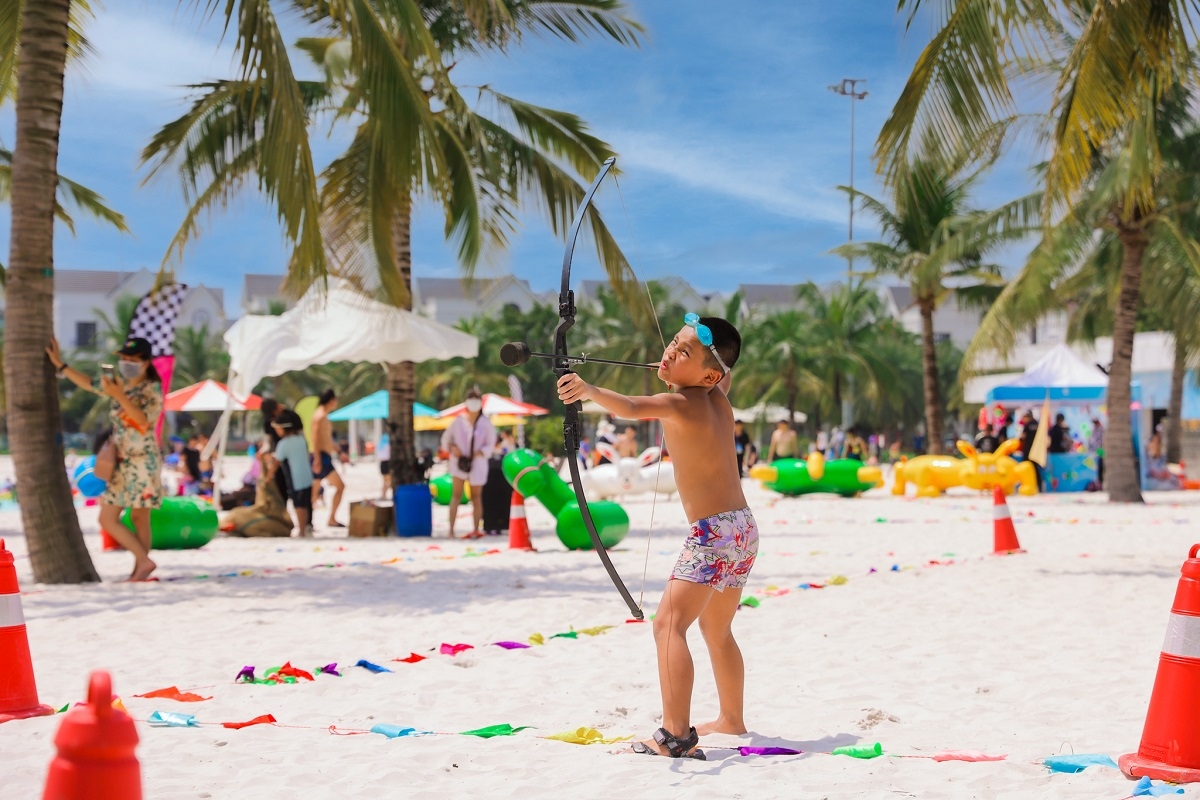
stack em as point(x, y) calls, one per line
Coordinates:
point(726, 339)
point(326, 396)
point(290, 421)
point(268, 407)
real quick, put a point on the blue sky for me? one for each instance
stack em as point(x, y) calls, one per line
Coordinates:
point(730, 143)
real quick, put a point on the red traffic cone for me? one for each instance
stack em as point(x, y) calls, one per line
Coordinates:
point(1170, 748)
point(518, 528)
point(95, 744)
point(1004, 533)
point(18, 691)
point(107, 542)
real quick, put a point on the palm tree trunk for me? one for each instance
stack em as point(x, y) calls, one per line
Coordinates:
point(402, 377)
point(933, 393)
point(1121, 475)
point(1175, 405)
point(56, 550)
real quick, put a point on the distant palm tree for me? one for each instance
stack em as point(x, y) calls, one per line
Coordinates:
point(779, 363)
point(114, 328)
point(936, 243)
point(199, 356)
point(1093, 250)
point(1113, 66)
point(611, 330)
point(844, 330)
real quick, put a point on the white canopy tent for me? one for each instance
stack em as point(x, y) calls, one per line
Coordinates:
point(766, 411)
point(337, 324)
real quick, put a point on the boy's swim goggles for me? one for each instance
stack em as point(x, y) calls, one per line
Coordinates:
point(704, 334)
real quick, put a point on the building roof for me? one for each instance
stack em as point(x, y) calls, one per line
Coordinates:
point(97, 281)
point(258, 285)
point(457, 288)
point(901, 296)
point(217, 293)
point(776, 293)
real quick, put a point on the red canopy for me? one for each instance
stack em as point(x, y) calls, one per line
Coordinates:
point(208, 396)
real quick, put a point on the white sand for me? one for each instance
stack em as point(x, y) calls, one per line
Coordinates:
point(1027, 656)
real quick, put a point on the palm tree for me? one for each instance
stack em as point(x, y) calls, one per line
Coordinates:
point(936, 243)
point(114, 329)
point(56, 549)
point(780, 361)
point(844, 331)
point(199, 356)
point(415, 136)
point(1097, 245)
point(611, 331)
point(1113, 66)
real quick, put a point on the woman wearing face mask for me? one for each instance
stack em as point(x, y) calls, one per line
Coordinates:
point(136, 484)
point(470, 440)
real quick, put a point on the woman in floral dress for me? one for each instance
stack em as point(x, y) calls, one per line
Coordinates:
point(136, 483)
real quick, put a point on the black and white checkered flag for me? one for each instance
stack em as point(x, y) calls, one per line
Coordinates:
point(155, 316)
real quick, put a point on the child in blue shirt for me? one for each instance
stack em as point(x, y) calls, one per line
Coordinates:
point(292, 454)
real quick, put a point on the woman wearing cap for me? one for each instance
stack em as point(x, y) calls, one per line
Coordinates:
point(470, 440)
point(136, 483)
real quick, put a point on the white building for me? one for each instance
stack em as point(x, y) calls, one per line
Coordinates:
point(449, 300)
point(768, 298)
point(677, 289)
point(81, 297)
point(959, 324)
point(260, 293)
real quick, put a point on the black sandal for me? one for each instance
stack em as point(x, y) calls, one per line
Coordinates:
point(676, 747)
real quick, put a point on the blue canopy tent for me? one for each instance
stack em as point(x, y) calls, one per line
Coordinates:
point(1067, 382)
point(374, 407)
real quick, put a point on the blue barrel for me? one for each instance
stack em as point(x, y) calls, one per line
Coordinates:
point(85, 478)
point(414, 510)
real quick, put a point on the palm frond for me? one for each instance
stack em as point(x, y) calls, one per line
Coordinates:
point(1125, 59)
point(959, 87)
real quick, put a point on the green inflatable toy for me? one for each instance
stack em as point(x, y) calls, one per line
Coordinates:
point(181, 523)
point(791, 477)
point(532, 476)
point(442, 487)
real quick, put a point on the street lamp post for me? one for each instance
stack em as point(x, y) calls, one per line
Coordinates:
point(847, 89)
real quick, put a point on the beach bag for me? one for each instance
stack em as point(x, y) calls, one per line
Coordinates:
point(465, 462)
point(106, 460)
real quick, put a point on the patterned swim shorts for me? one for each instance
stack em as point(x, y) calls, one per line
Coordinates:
point(720, 550)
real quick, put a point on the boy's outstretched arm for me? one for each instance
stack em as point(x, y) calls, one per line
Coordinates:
point(572, 388)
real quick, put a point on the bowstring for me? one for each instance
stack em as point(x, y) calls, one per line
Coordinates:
point(661, 433)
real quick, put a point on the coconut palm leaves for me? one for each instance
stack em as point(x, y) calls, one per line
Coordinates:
point(844, 339)
point(10, 45)
point(936, 243)
point(70, 195)
point(1114, 58)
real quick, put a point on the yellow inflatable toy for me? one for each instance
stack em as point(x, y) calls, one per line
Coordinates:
point(933, 475)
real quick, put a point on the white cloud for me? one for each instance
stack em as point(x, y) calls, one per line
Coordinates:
point(139, 53)
point(764, 180)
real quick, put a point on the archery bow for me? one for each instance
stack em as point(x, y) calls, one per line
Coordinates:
point(562, 366)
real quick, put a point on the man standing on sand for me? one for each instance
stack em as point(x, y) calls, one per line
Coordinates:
point(324, 453)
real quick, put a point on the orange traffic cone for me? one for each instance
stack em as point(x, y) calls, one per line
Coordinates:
point(1005, 534)
point(1170, 748)
point(18, 691)
point(95, 744)
point(518, 528)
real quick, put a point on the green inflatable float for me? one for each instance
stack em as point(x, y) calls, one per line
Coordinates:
point(790, 476)
point(181, 523)
point(442, 487)
point(532, 476)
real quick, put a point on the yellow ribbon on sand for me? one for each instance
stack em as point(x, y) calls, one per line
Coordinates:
point(587, 736)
